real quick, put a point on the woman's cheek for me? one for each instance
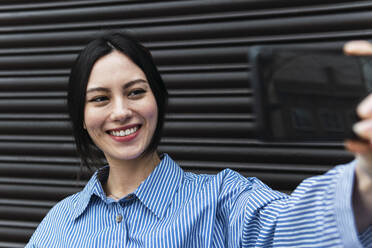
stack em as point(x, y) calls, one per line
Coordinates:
point(93, 119)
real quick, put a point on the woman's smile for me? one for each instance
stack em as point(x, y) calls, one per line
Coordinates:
point(125, 134)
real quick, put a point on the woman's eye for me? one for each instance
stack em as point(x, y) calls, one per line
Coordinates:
point(99, 99)
point(136, 92)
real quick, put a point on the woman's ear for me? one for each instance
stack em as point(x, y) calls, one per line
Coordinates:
point(84, 126)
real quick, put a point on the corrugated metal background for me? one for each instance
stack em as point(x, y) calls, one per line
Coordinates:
point(200, 48)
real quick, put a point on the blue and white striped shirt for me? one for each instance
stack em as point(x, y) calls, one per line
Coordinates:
point(173, 208)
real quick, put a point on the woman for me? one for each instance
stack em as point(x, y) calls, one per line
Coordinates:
point(117, 102)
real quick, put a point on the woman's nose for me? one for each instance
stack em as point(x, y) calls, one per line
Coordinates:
point(120, 111)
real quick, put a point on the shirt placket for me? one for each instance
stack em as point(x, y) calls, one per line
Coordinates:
point(121, 230)
point(121, 219)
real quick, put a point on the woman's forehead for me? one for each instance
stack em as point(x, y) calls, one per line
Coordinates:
point(114, 61)
point(114, 67)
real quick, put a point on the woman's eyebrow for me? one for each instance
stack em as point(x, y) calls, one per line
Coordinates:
point(133, 82)
point(97, 89)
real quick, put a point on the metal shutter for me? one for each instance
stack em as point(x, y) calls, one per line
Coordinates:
point(200, 48)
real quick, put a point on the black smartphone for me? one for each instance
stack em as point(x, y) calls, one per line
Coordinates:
point(306, 94)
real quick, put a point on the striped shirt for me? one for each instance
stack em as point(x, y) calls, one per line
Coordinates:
point(173, 208)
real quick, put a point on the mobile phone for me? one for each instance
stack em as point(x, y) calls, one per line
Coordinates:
point(307, 94)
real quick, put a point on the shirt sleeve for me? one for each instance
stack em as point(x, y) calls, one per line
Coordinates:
point(49, 232)
point(343, 208)
point(317, 214)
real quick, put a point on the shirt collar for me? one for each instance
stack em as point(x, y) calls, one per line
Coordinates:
point(83, 198)
point(156, 192)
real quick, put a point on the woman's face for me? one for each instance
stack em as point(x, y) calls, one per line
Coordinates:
point(120, 111)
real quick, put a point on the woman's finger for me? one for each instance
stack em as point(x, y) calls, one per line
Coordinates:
point(364, 129)
point(358, 147)
point(358, 47)
point(364, 109)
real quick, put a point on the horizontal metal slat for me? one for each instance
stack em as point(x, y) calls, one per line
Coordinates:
point(32, 95)
point(32, 170)
point(22, 5)
point(35, 127)
point(257, 154)
point(55, 159)
point(37, 148)
point(33, 83)
point(27, 203)
point(210, 104)
point(43, 182)
point(36, 61)
point(11, 245)
point(17, 213)
point(187, 5)
point(209, 117)
point(34, 72)
point(32, 105)
point(222, 129)
point(210, 92)
point(206, 80)
point(51, 193)
point(16, 234)
point(38, 137)
point(34, 116)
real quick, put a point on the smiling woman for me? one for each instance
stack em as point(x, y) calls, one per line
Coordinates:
point(120, 117)
point(108, 73)
point(117, 102)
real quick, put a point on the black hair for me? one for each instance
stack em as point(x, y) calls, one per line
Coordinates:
point(89, 154)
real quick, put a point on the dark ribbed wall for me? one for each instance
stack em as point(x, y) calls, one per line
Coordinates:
point(200, 48)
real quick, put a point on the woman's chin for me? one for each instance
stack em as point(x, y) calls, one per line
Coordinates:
point(123, 157)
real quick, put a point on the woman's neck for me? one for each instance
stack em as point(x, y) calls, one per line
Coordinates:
point(125, 176)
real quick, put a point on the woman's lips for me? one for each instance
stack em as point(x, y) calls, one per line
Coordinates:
point(124, 134)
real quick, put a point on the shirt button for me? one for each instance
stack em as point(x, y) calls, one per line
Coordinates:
point(119, 218)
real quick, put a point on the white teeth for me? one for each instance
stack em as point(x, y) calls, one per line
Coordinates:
point(123, 133)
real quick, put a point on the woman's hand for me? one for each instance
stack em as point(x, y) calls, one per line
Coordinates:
point(362, 198)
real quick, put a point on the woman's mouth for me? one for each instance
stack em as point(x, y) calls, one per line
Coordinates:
point(124, 134)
